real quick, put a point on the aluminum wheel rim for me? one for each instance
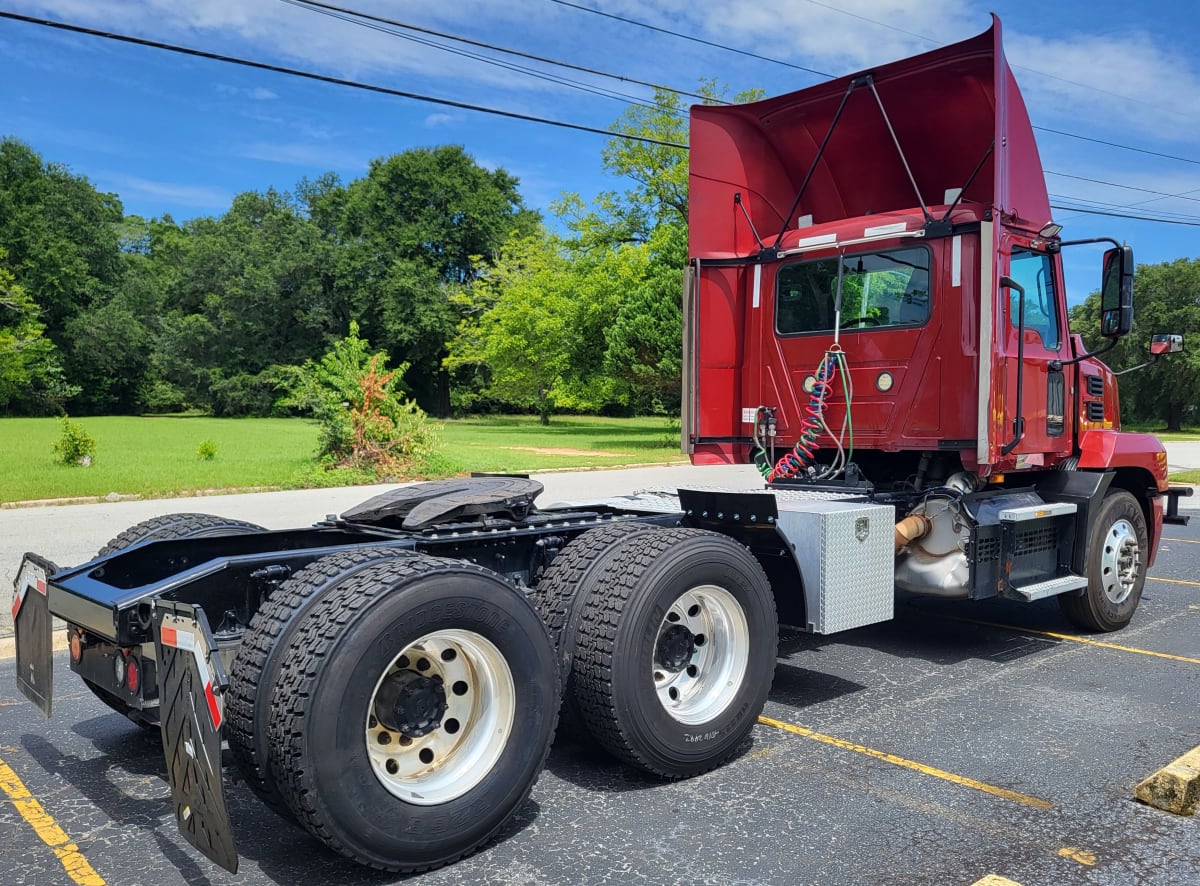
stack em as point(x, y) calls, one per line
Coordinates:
point(1120, 561)
point(707, 683)
point(480, 705)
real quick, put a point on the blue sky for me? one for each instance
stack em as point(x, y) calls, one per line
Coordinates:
point(180, 135)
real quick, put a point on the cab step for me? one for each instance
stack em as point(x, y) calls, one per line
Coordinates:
point(1051, 587)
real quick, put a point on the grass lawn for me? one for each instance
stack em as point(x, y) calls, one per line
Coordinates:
point(156, 456)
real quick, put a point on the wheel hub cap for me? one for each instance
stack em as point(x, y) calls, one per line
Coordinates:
point(1120, 561)
point(410, 704)
point(676, 646)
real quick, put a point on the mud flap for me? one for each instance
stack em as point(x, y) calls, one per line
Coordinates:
point(32, 624)
point(191, 681)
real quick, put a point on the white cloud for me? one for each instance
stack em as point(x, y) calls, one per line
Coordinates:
point(202, 196)
point(321, 156)
point(257, 93)
point(1119, 81)
point(433, 121)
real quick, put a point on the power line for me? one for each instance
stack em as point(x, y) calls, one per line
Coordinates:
point(324, 78)
point(492, 46)
point(349, 18)
point(693, 38)
point(1145, 218)
point(384, 90)
point(1099, 181)
point(777, 61)
point(1162, 213)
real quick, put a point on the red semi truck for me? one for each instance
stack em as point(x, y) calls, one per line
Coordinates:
point(875, 316)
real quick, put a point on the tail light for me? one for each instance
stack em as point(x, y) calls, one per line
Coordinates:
point(133, 674)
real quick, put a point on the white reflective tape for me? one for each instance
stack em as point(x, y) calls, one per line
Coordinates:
point(879, 230)
point(757, 285)
point(818, 240)
point(956, 261)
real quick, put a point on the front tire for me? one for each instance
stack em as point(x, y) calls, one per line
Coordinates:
point(677, 651)
point(1118, 554)
point(415, 708)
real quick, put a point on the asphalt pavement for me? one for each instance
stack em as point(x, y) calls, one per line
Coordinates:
point(958, 742)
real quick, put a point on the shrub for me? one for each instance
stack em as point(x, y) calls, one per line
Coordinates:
point(367, 423)
point(207, 450)
point(74, 446)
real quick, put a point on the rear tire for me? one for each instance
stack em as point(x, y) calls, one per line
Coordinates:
point(158, 529)
point(1118, 552)
point(562, 592)
point(255, 669)
point(676, 656)
point(457, 761)
point(177, 526)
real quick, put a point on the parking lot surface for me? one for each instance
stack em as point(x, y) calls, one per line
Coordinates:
point(956, 742)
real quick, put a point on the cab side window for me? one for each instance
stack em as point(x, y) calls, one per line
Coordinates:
point(1035, 272)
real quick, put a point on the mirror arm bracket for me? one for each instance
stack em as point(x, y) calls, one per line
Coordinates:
point(1057, 365)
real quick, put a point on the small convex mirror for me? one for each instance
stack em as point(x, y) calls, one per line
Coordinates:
point(1163, 343)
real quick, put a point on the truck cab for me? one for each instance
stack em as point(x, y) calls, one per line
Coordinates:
point(875, 300)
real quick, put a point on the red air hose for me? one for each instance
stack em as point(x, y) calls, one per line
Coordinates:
point(796, 462)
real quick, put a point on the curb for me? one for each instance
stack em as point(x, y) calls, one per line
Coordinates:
point(8, 645)
point(1174, 788)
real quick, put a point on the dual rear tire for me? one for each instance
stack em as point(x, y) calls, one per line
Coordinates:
point(670, 640)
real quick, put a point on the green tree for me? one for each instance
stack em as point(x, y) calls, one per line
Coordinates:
point(29, 371)
point(1167, 299)
point(521, 324)
point(412, 234)
point(61, 235)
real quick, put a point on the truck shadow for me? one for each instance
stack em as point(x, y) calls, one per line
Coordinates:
point(127, 782)
point(942, 633)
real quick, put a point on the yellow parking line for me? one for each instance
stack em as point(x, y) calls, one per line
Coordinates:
point(1186, 541)
point(1174, 581)
point(47, 829)
point(995, 880)
point(1073, 639)
point(908, 764)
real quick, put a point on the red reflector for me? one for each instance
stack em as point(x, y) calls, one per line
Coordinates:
point(76, 646)
point(133, 675)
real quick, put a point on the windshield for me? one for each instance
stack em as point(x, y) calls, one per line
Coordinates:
point(877, 289)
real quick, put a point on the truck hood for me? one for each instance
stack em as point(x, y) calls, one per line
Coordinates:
point(947, 107)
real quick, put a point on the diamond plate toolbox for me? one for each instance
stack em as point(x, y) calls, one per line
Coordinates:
point(845, 552)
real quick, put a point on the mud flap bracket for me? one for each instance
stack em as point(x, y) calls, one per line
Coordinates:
point(191, 682)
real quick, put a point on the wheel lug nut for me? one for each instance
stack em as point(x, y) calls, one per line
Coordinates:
point(423, 664)
point(385, 738)
point(405, 741)
point(372, 722)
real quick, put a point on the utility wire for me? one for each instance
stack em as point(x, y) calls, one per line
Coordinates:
point(324, 78)
point(349, 18)
point(1099, 181)
point(315, 5)
point(1162, 213)
point(777, 61)
point(693, 38)
point(1146, 218)
point(354, 84)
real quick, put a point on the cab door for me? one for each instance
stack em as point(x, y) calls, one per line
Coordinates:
point(1044, 394)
